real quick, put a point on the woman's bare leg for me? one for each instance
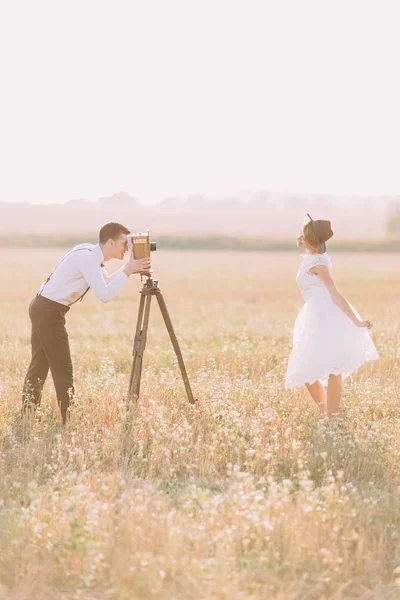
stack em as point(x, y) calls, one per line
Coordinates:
point(334, 394)
point(318, 394)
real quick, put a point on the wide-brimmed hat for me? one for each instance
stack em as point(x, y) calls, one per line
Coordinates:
point(318, 233)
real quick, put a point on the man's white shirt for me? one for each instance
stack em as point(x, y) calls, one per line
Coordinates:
point(81, 268)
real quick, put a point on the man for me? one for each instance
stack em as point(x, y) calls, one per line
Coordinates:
point(80, 270)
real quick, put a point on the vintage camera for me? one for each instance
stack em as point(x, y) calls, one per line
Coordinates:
point(140, 245)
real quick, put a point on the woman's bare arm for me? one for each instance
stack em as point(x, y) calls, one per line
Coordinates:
point(338, 298)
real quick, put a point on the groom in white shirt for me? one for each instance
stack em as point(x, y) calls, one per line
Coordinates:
point(78, 271)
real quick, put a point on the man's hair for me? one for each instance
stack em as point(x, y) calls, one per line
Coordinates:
point(111, 231)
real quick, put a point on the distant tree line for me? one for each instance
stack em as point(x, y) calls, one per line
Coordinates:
point(211, 242)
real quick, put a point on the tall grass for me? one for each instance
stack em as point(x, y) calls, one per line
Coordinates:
point(247, 494)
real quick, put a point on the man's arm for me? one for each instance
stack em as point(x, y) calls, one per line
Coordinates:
point(92, 272)
point(109, 278)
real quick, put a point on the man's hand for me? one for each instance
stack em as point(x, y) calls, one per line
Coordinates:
point(142, 265)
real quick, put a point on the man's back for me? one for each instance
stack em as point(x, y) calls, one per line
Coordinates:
point(78, 270)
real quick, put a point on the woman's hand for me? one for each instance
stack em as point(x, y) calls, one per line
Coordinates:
point(366, 324)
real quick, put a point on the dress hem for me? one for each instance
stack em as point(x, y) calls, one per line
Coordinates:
point(323, 376)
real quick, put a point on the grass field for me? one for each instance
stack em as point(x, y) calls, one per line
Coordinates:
point(248, 494)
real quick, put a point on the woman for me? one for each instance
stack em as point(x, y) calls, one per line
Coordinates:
point(329, 339)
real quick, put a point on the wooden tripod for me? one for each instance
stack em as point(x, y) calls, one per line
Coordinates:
point(150, 288)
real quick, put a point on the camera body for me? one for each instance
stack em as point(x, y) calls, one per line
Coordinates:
point(140, 246)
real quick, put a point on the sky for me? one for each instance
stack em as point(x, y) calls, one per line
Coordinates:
point(170, 97)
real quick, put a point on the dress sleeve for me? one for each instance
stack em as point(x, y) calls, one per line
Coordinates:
point(315, 260)
point(325, 260)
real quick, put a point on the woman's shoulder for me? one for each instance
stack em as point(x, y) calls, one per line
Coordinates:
point(313, 260)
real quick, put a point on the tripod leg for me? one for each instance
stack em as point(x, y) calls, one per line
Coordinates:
point(138, 335)
point(140, 345)
point(175, 343)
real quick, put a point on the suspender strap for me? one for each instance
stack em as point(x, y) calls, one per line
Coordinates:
point(52, 273)
point(81, 297)
point(87, 289)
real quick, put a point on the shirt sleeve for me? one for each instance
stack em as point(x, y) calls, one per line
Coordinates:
point(107, 277)
point(93, 275)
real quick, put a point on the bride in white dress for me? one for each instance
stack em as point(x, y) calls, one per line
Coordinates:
point(329, 339)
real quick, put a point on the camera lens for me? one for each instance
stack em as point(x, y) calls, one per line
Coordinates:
point(153, 246)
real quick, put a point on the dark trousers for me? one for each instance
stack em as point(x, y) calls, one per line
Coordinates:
point(50, 350)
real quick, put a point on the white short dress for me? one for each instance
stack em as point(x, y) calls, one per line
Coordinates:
point(325, 341)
